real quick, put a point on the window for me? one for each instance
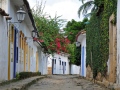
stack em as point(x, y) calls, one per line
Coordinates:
point(60, 62)
point(55, 61)
point(17, 54)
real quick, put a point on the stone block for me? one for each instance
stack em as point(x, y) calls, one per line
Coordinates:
point(105, 82)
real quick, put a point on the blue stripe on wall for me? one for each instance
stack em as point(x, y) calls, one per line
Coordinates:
point(15, 52)
point(83, 61)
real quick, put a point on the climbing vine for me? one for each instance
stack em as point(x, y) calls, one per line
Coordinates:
point(97, 36)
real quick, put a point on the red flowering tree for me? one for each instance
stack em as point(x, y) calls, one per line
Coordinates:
point(61, 44)
point(48, 30)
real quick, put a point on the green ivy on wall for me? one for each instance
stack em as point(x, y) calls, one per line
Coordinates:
point(97, 36)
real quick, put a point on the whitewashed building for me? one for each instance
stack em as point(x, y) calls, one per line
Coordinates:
point(81, 40)
point(19, 52)
point(60, 64)
point(54, 66)
point(3, 46)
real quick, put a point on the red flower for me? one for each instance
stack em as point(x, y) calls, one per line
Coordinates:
point(35, 39)
point(41, 41)
point(67, 41)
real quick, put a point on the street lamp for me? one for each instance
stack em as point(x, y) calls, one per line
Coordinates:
point(21, 15)
point(34, 34)
point(77, 44)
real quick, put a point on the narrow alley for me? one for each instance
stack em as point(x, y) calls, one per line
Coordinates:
point(65, 82)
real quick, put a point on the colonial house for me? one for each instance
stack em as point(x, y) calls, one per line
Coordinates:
point(3, 46)
point(19, 52)
point(55, 67)
point(60, 64)
point(81, 40)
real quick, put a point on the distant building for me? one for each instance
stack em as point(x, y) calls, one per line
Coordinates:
point(81, 40)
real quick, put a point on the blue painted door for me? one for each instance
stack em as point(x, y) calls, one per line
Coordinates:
point(52, 66)
point(60, 67)
point(63, 67)
point(15, 52)
point(83, 66)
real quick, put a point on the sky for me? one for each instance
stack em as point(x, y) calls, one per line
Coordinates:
point(67, 8)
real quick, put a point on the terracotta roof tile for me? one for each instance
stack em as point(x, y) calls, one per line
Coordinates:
point(80, 32)
point(3, 13)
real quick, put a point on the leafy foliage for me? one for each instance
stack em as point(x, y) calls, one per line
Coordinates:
point(23, 75)
point(91, 6)
point(78, 55)
point(86, 6)
point(47, 26)
point(71, 50)
point(73, 27)
point(97, 35)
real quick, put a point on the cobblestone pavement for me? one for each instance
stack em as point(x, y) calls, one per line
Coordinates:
point(65, 82)
point(21, 84)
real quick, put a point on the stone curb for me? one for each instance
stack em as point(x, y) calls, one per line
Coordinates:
point(26, 85)
point(22, 84)
point(103, 84)
point(111, 86)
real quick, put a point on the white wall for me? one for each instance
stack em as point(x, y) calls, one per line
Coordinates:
point(42, 62)
point(33, 59)
point(83, 44)
point(59, 69)
point(49, 63)
point(26, 28)
point(3, 49)
point(3, 4)
point(118, 42)
point(27, 32)
point(75, 69)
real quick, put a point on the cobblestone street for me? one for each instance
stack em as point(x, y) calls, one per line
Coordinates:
point(62, 82)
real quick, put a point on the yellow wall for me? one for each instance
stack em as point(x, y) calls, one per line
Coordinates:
point(10, 48)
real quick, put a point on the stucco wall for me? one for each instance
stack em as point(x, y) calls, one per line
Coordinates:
point(58, 69)
point(26, 28)
point(83, 44)
point(3, 49)
point(42, 61)
point(27, 33)
point(75, 69)
point(33, 60)
point(3, 4)
point(49, 63)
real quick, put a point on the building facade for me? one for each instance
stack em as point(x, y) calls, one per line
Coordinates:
point(81, 40)
point(19, 52)
point(60, 64)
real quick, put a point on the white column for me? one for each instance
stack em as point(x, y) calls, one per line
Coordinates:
point(118, 42)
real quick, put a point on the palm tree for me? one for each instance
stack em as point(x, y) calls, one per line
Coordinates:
point(93, 6)
point(87, 6)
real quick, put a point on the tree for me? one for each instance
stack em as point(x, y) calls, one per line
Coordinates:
point(94, 6)
point(48, 27)
point(73, 27)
